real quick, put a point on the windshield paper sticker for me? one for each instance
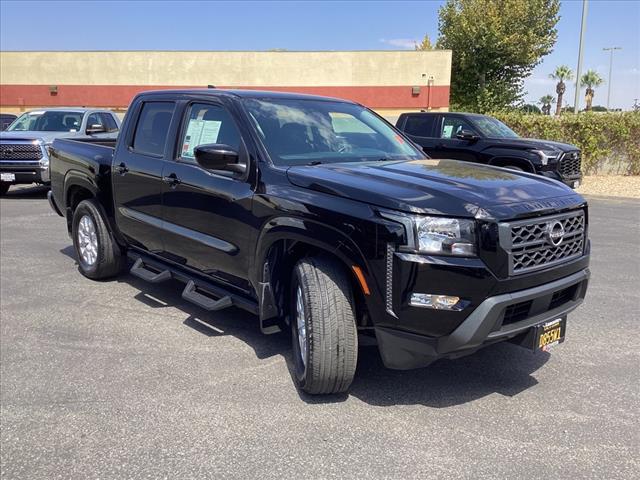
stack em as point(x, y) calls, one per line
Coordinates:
point(200, 132)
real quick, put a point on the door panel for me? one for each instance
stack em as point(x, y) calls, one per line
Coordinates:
point(137, 178)
point(207, 215)
point(420, 129)
point(447, 145)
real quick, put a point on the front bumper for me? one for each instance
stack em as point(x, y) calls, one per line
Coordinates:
point(26, 172)
point(568, 180)
point(485, 325)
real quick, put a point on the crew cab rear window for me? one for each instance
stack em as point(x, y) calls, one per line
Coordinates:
point(208, 124)
point(420, 125)
point(153, 127)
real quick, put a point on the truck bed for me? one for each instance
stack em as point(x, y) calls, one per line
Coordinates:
point(85, 162)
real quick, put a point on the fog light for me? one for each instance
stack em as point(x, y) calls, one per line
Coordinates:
point(438, 302)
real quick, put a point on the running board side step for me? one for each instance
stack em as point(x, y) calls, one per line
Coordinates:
point(191, 294)
point(140, 270)
point(203, 292)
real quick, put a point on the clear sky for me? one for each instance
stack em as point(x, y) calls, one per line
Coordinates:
point(331, 25)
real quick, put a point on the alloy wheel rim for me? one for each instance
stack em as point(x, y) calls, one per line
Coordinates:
point(87, 240)
point(301, 324)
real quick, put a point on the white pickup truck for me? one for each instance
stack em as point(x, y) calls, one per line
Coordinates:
point(24, 155)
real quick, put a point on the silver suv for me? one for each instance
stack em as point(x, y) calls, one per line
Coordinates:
point(24, 156)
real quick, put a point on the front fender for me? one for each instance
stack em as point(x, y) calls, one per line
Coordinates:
point(310, 232)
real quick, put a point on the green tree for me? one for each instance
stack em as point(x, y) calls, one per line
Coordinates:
point(425, 44)
point(546, 102)
point(561, 74)
point(591, 79)
point(495, 44)
point(530, 108)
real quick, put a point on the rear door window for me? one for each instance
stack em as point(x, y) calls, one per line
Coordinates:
point(420, 125)
point(153, 126)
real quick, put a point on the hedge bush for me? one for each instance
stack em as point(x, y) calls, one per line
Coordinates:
point(610, 142)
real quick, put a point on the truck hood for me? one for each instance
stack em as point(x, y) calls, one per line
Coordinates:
point(533, 143)
point(46, 137)
point(441, 187)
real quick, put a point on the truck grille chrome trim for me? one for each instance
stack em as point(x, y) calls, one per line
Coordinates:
point(389, 279)
point(570, 164)
point(538, 243)
point(20, 151)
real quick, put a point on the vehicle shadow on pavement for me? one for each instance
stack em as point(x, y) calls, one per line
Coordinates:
point(35, 192)
point(232, 321)
point(502, 368)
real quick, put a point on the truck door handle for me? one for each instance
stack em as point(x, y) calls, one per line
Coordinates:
point(172, 180)
point(122, 168)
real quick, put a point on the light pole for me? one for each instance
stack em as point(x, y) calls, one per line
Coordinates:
point(610, 50)
point(583, 26)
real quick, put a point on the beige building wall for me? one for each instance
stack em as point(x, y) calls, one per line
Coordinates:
point(383, 80)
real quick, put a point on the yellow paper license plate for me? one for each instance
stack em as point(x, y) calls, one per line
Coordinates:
point(550, 333)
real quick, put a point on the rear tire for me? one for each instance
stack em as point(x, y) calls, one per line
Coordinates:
point(97, 253)
point(4, 188)
point(325, 351)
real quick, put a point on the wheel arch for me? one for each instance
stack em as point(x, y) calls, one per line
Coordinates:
point(77, 187)
point(286, 240)
point(502, 161)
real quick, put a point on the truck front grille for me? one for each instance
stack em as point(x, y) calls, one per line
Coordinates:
point(20, 151)
point(538, 243)
point(570, 164)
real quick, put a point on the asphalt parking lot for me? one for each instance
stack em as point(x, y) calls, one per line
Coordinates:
point(122, 379)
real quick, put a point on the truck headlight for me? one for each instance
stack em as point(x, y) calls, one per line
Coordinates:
point(547, 155)
point(446, 236)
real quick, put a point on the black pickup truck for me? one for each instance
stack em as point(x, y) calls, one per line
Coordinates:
point(482, 139)
point(318, 216)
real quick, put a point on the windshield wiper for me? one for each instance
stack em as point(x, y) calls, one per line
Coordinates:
point(314, 162)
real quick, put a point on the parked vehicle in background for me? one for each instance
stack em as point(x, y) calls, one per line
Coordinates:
point(6, 119)
point(482, 139)
point(318, 216)
point(24, 155)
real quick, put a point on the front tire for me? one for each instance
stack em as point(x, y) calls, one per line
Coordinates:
point(4, 188)
point(98, 255)
point(324, 333)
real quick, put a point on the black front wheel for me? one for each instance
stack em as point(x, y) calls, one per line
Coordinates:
point(4, 188)
point(324, 333)
point(97, 253)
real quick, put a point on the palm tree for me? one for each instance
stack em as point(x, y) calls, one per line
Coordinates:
point(546, 102)
point(591, 79)
point(561, 74)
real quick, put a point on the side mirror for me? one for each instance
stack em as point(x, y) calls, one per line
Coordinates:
point(218, 156)
point(97, 128)
point(466, 135)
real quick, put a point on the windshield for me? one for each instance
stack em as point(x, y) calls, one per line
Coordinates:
point(493, 128)
point(51, 121)
point(309, 132)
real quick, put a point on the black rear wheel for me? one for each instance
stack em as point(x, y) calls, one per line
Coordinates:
point(97, 253)
point(324, 333)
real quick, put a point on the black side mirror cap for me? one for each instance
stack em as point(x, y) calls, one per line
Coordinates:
point(466, 135)
point(97, 128)
point(218, 156)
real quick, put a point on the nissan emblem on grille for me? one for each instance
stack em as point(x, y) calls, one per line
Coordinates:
point(541, 242)
point(555, 232)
